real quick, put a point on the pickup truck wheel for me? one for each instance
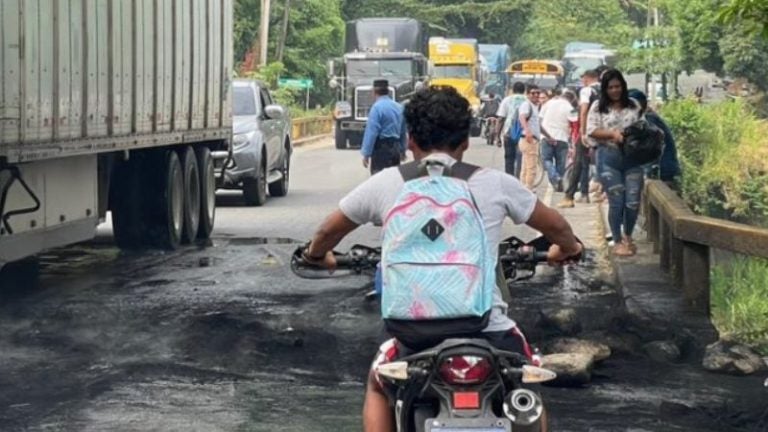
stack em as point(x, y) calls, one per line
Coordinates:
point(125, 203)
point(164, 195)
point(280, 187)
point(255, 188)
point(207, 192)
point(191, 175)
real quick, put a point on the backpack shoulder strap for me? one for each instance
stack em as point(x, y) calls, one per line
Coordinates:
point(459, 170)
point(411, 171)
point(463, 171)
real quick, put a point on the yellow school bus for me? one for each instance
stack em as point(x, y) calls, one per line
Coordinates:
point(547, 74)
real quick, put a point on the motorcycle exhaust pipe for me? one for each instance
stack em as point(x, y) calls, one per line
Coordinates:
point(523, 407)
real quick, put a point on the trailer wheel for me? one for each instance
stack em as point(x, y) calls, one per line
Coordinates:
point(125, 202)
point(207, 193)
point(191, 176)
point(164, 195)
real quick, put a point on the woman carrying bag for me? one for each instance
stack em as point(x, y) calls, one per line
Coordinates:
point(622, 180)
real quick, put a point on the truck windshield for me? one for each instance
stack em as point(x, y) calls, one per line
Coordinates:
point(452, 71)
point(576, 66)
point(379, 68)
point(243, 101)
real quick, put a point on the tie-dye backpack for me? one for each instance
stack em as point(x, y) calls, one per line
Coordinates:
point(437, 267)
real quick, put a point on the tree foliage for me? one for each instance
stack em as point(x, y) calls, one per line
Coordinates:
point(752, 14)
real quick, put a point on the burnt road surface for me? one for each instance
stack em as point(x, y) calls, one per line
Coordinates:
point(225, 338)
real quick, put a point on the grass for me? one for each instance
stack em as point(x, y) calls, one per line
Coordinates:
point(739, 301)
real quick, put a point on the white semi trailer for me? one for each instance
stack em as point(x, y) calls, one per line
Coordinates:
point(119, 105)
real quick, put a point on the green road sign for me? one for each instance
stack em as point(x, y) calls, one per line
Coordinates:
point(300, 83)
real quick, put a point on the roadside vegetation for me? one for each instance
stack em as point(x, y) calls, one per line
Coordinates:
point(739, 302)
point(723, 150)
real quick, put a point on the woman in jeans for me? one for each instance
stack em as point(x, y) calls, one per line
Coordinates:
point(622, 183)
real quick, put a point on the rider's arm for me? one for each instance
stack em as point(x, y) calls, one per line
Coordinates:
point(555, 228)
point(331, 231)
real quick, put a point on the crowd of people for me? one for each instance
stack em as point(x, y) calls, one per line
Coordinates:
point(585, 132)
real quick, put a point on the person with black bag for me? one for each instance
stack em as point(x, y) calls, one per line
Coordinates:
point(621, 152)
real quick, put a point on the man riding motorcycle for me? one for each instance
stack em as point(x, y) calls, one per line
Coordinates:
point(438, 121)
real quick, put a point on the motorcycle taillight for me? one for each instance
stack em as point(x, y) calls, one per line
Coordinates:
point(465, 369)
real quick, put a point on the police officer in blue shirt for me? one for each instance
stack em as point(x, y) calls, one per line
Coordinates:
point(384, 141)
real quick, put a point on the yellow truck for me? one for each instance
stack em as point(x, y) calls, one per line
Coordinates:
point(456, 63)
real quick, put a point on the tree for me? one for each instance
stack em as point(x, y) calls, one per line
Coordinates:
point(698, 32)
point(745, 55)
point(557, 22)
point(750, 13)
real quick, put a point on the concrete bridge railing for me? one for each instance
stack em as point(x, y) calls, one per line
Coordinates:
point(309, 128)
point(683, 241)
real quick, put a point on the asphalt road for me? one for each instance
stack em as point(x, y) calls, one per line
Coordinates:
point(225, 338)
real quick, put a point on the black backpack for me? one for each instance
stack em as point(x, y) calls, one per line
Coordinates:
point(643, 143)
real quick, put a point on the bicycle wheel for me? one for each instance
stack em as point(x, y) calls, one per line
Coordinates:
point(540, 172)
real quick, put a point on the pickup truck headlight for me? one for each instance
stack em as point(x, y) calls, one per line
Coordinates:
point(240, 140)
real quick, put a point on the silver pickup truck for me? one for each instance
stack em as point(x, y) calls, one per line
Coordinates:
point(261, 144)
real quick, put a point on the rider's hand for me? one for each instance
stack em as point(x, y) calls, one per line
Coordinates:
point(328, 262)
point(366, 161)
point(617, 137)
point(558, 256)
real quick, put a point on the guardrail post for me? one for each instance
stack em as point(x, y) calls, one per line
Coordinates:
point(696, 276)
point(677, 264)
point(652, 218)
point(665, 241)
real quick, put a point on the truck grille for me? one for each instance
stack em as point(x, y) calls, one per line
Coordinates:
point(364, 101)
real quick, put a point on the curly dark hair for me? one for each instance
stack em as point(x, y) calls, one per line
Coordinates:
point(438, 118)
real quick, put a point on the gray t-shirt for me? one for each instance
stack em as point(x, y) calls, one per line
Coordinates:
point(498, 196)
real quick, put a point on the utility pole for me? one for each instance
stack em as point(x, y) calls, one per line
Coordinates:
point(264, 32)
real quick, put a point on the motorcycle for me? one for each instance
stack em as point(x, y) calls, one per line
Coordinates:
point(461, 384)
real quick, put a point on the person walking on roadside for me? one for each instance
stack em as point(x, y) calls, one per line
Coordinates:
point(531, 135)
point(488, 113)
point(623, 183)
point(589, 93)
point(556, 129)
point(507, 115)
point(384, 141)
point(669, 165)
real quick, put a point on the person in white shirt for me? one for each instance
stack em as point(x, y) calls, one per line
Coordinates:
point(507, 113)
point(438, 120)
point(556, 117)
point(529, 121)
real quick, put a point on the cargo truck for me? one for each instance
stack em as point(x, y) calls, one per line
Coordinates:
point(456, 63)
point(120, 106)
point(375, 48)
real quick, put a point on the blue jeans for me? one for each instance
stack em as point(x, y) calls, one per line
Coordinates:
point(623, 187)
point(513, 159)
point(553, 155)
